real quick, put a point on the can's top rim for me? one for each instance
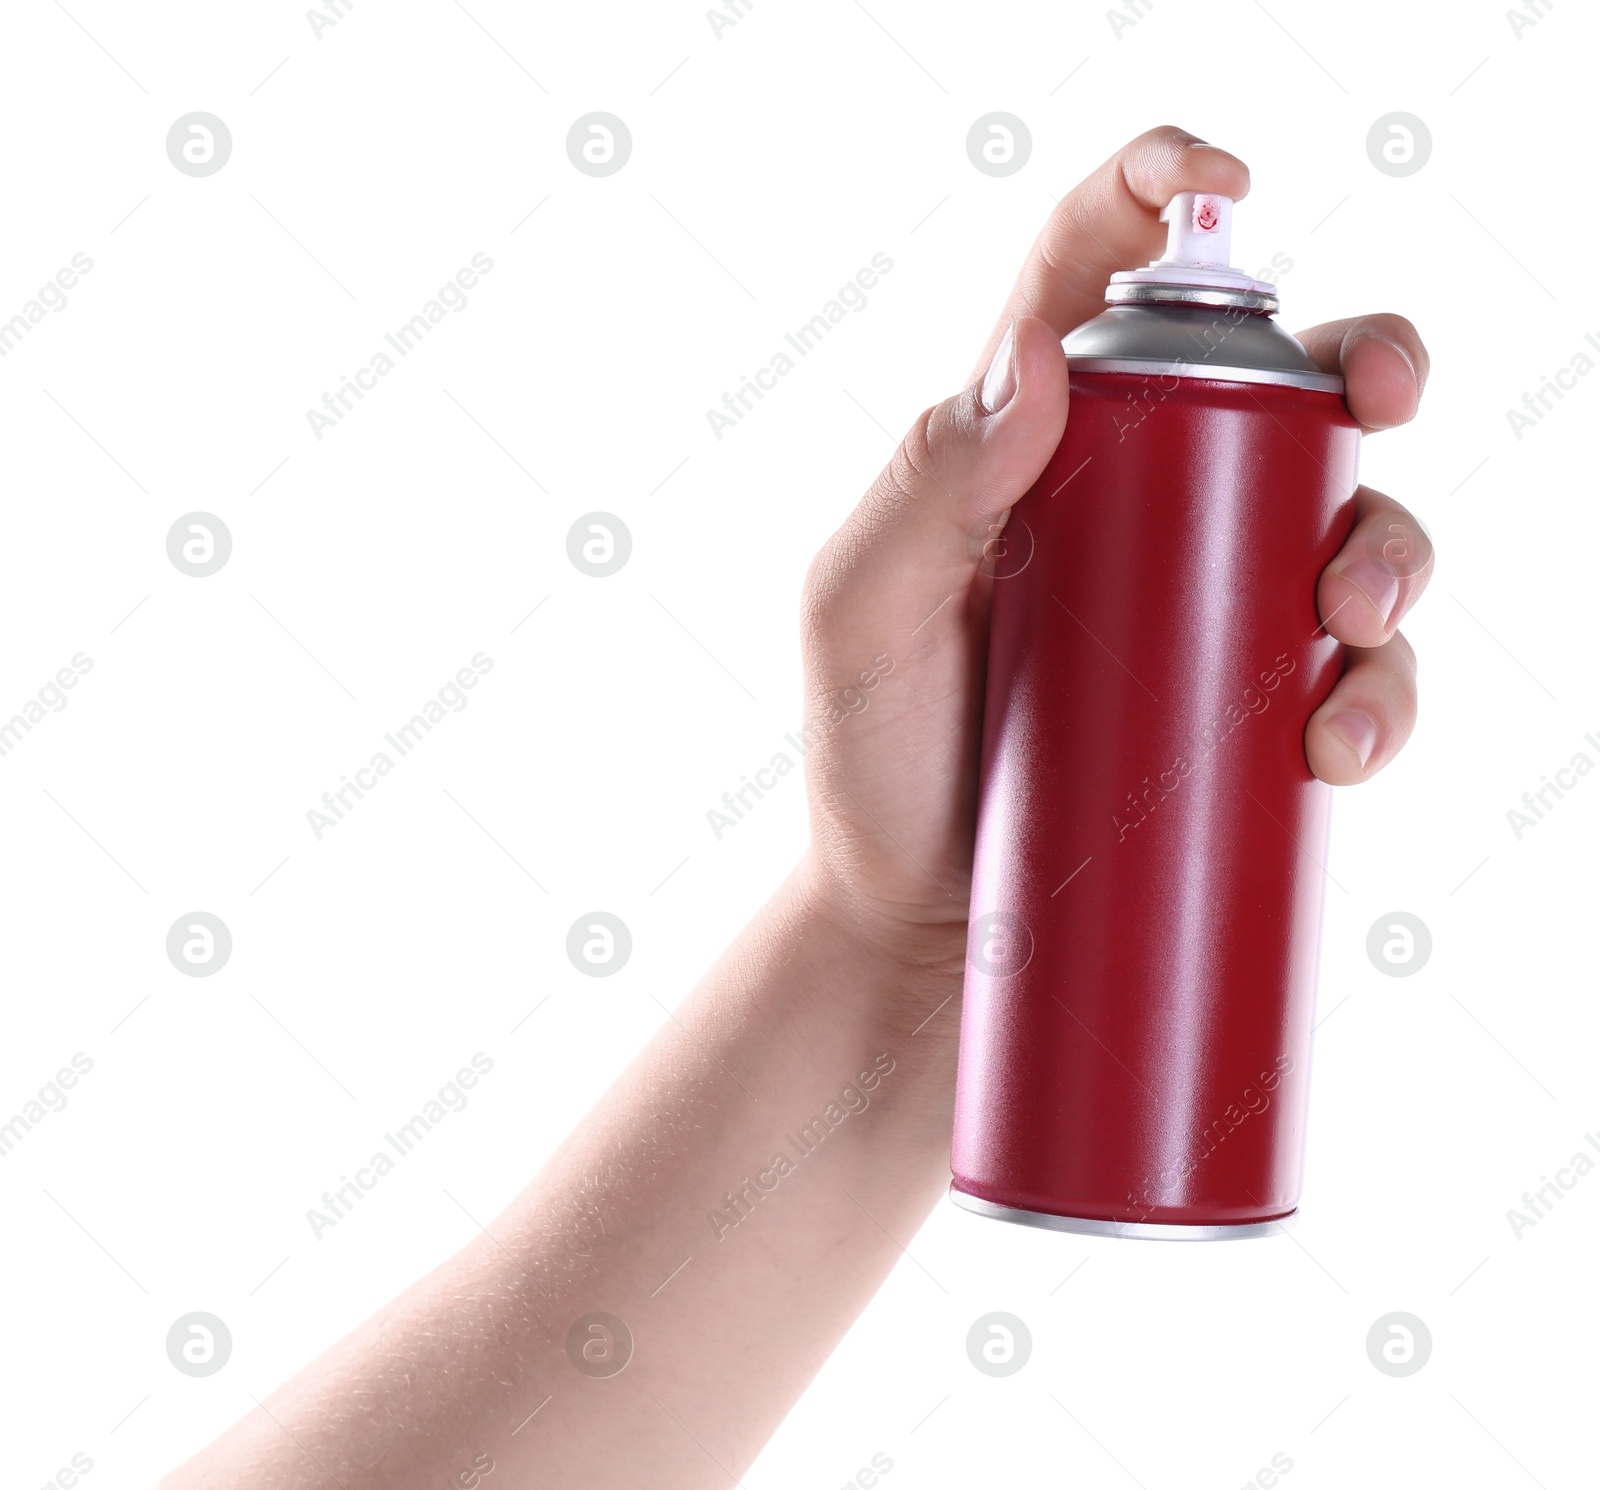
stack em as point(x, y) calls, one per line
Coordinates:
point(1145, 292)
point(1314, 382)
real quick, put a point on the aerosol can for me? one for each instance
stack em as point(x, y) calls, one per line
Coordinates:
point(1148, 883)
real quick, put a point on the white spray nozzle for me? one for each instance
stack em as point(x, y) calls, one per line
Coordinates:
point(1199, 239)
point(1199, 229)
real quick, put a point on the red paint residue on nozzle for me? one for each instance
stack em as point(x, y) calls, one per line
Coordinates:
point(1205, 215)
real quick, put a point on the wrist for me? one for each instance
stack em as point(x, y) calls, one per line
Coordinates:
point(900, 966)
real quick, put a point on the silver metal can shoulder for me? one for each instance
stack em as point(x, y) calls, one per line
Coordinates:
point(1222, 339)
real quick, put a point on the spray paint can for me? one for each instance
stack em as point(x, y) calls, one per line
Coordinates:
point(1148, 878)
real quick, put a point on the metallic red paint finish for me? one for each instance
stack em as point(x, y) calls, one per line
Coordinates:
point(1147, 893)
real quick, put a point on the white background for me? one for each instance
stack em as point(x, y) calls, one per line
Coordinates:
point(768, 166)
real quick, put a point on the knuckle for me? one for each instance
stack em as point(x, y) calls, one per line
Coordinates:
point(912, 472)
point(823, 583)
point(1400, 329)
point(914, 466)
point(1389, 323)
point(909, 478)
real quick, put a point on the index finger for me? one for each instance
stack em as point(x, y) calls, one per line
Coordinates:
point(1109, 222)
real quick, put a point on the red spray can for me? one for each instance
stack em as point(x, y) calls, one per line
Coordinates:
point(1148, 879)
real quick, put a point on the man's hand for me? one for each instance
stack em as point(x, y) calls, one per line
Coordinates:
point(893, 796)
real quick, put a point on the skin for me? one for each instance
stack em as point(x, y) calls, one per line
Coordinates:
point(844, 989)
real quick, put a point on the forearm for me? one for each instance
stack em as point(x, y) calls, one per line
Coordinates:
point(743, 1183)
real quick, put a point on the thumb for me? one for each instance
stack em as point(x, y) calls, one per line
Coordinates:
point(914, 543)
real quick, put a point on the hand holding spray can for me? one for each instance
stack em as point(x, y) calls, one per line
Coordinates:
point(1148, 881)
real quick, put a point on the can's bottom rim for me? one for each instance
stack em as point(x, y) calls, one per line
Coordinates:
point(1153, 1231)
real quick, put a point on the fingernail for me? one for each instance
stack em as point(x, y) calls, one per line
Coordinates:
point(1381, 586)
point(1000, 382)
point(1358, 730)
